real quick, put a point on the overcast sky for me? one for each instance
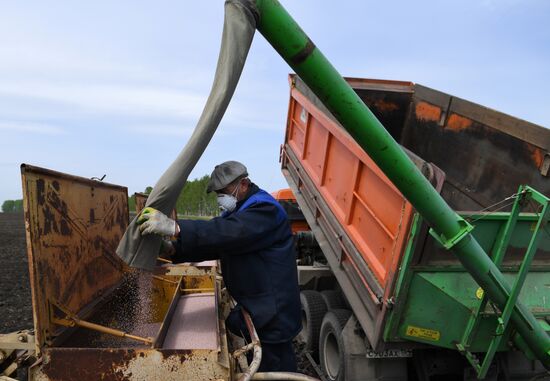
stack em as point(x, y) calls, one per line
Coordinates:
point(116, 87)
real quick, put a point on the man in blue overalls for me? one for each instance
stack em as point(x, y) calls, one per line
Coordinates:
point(253, 241)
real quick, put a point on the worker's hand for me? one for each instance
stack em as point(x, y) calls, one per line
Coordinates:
point(152, 221)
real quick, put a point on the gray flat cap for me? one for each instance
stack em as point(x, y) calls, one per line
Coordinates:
point(224, 174)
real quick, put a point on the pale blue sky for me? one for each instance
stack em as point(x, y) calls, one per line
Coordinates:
point(116, 87)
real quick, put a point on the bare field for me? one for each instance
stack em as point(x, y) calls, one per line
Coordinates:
point(15, 293)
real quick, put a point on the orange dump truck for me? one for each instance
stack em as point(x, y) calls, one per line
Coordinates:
point(382, 299)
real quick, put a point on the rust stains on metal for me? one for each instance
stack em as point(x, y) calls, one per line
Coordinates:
point(40, 191)
point(458, 123)
point(141, 199)
point(427, 112)
point(55, 201)
point(65, 229)
point(303, 54)
point(193, 283)
point(182, 355)
point(50, 223)
point(537, 155)
point(85, 364)
point(117, 364)
point(385, 106)
point(71, 259)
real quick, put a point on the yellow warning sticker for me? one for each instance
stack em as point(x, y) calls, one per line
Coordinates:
point(479, 293)
point(422, 333)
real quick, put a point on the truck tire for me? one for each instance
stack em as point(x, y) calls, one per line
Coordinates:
point(313, 311)
point(333, 299)
point(332, 351)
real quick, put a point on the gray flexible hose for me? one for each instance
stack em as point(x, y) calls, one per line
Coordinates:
point(238, 32)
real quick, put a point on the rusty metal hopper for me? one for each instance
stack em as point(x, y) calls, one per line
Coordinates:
point(94, 317)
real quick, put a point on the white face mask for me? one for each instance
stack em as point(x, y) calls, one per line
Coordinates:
point(228, 202)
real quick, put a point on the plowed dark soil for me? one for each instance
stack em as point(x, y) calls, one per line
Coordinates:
point(15, 294)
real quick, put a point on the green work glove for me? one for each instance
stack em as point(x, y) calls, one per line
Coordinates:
point(152, 221)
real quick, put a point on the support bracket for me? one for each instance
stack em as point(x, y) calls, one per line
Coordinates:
point(449, 243)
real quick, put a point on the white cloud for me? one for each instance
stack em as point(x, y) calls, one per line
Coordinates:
point(56, 64)
point(108, 99)
point(32, 127)
point(79, 100)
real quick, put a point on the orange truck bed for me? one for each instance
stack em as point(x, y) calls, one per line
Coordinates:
point(362, 216)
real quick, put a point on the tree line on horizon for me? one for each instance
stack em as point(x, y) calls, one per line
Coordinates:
point(193, 200)
point(12, 206)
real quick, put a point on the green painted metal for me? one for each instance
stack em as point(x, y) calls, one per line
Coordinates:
point(441, 303)
point(497, 254)
point(446, 299)
point(525, 193)
point(288, 39)
point(503, 239)
point(403, 280)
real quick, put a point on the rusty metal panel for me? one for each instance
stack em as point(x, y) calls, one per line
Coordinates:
point(141, 198)
point(485, 154)
point(92, 364)
point(73, 226)
point(505, 124)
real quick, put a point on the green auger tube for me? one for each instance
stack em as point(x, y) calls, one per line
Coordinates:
point(290, 41)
